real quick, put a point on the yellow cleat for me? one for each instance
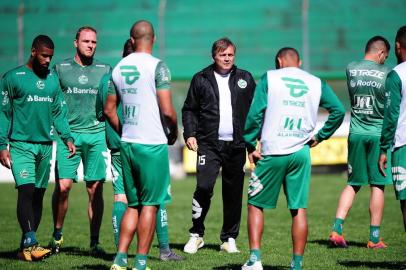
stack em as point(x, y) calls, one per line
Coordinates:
point(118, 267)
point(24, 255)
point(55, 245)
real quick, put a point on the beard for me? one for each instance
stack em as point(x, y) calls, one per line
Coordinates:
point(40, 70)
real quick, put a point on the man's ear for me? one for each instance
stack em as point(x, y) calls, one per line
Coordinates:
point(75, 43)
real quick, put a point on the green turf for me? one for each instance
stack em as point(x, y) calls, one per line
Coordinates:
point(276, 250)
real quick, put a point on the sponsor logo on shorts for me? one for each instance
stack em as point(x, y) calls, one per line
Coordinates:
point(83, 79)
point(254, 186)
point(196, 209)
point(242, 83)
point(296, 87)
point(23, 173)
point(40, 85)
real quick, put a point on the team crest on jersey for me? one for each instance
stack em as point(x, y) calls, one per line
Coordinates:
point(130, 74)
point(83, 79)
point(23, 173)
point(296, 87)
point(353, 83)
point(242, 83)
point(5, 100)
point(40, 85)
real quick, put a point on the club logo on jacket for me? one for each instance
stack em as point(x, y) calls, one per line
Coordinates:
point(242, 83)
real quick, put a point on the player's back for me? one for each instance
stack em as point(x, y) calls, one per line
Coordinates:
point(366, 88)
point(134, 77)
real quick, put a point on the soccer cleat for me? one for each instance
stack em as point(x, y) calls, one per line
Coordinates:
point(378, 245)
point(55, 245)
point(337, 240)
point(97, 250)
point(195, 242)
point(145, 268)
point(170, 256)
point(229, 246)
point(256, 266)
point(24, 255)
point(38, 253)
point(118, 267)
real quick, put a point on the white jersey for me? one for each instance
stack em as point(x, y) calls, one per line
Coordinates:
point(134, 77)
point(400, 135)
point(290, 117)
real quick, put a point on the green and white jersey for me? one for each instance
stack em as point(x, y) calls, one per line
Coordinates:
point(394, 124)
point(107, 88)
point(366, 87)
point(137, 77)
point(31, 107)
point(284, 109)
point(80, 85)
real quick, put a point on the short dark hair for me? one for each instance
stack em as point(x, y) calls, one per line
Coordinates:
point(370, 44)
point(84, 28)
point(42, 41)
point(221, 45)
point(128, 48)
point(283, 52)
point(401, 36)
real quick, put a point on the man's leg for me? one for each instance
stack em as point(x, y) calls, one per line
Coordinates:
point(127, 230)
point(119, 207)
point(403, 210)
point(95, 210)
point(299, 236)
point(145, 233)
point(37, 204)
point(376, 205)
point(255, 222)
point(60, 199)
point(344, 205)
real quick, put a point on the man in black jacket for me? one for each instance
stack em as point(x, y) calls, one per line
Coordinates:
point(213, 117)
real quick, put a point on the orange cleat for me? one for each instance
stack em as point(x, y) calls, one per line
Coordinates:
point(337, 240)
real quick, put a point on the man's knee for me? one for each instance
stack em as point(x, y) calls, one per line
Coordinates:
point(63, 187)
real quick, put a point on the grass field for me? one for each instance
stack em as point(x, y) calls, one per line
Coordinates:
point(276, 248)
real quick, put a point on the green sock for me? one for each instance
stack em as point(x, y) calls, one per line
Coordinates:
point(296, 263)
point(57, 234)
point(29, 239)
point(374, 232)
point(338, 226)
point(121, 259)
point(161, 228)
point(255, 255)
point(140, 261)
point(118, 213)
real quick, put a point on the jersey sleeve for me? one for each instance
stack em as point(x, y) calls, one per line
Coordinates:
point(59, 114)
point(255, 117)
point(104, 90)
point(162, 77)
point(333, 105)
point(5, 112)
point(393, 86)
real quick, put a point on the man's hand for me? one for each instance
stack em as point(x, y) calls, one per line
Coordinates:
point(383, 164)
point(191, 143)
point(313, 142)
point(71, 148)
point(253, 157)
point(5, 158)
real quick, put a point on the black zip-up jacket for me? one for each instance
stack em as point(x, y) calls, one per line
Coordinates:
point(200, 112)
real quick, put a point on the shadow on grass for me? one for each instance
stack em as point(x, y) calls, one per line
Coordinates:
point(75, 251)
point(326, 243)
point(206, 246)
point(12, 254)
point(238, 267)
point(92, 267)
point(375, 265)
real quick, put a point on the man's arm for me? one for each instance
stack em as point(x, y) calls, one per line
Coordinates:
point(168, 113)
point(110, 111)
point(190, 115)
point(59, 114)
point(253, 124)
point(333, 105)
point(5, 116)
point(393, 86)
point(104, 85)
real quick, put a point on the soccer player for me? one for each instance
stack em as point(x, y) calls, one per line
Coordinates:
point(149, 124)
point(366, 88)
point(213, 117)
point(80, 78)
point(106, 89)
point(283, 114)
point(394, 124)
point(30, 111)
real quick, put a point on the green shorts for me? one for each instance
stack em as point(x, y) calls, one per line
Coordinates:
point(145, 173)
point(399, 172)
point(31, 163)
point(363, 156)
point(117, 173)
point(91, 149)
point(292, 171)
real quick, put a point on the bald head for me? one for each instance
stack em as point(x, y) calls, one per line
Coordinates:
point(142, 31)
point(287, 57)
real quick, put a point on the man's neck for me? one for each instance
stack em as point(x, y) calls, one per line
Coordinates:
point(83, 61)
